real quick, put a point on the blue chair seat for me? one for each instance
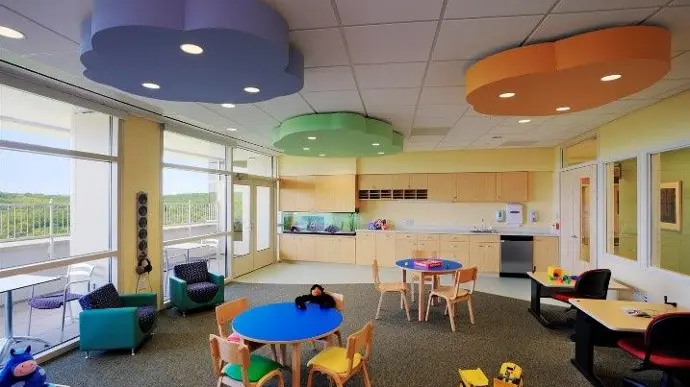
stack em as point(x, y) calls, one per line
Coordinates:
point(52, 300)
point(147, 317)
point(201, 292)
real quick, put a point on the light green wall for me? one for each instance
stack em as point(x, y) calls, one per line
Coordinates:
point(627, 191)
point(675, 245)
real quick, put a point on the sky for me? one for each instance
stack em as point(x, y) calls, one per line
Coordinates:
point(23, 172)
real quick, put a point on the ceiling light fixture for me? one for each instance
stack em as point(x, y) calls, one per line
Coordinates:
point(151, 85)
point(375, 144)
point(507, 95)
point(311, 138)
point(306, 149)
point(228, 105)
point(191, 49)
point(525, 121)
point(563, 109)
point(611, 77)
point(10, 33)
point(322, 155)
point(232, 129)
point(252, 89)
point(382, 153)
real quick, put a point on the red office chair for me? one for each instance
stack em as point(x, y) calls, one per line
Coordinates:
point(665, 346)
point(593, 284)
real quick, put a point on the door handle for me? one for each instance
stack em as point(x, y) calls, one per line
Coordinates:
point(574, 236)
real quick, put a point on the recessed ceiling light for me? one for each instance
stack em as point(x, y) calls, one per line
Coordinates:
point(497, 137)
point(150, 85)
point(525, 121)
point(322, 155)
point(375, 144)
point(611, 77)
point(10, 33)
point(191, 49)
point(311, 138)
point(507, 95)
point(228, 105)
point(252, 89)
point(563, 109)
point(232, 129)
point(382, 153)
point(306, 149)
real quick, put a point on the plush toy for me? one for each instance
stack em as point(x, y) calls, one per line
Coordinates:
point(21, 370)
point(316, 296)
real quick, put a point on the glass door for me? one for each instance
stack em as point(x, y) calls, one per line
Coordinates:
point(253, 215)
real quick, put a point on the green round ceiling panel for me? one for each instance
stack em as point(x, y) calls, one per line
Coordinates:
point(337, 135)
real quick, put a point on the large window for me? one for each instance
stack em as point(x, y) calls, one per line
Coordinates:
point(621, 206)
point(670, 195)
point(58, 186)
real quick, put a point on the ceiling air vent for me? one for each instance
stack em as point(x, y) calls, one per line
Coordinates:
point(519, 143)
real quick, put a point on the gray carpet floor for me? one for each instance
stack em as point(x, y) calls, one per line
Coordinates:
point(405, 353)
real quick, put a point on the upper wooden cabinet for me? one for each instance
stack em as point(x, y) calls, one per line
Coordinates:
point(367, 182)
point(408, 181)
point(441, 187)
point(419, 181)
point(401, 181)
point(512, 187)
point(336, 193)
point(296, 193)
point(476, 187)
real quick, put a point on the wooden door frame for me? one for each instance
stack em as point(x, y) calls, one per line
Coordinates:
point(571, 173)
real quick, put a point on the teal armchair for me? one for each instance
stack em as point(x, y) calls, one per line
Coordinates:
point(192, 286)
point(112, 321)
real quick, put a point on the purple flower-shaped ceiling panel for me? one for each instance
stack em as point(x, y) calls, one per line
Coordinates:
point(245, 43)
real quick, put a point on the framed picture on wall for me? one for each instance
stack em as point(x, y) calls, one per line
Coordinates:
point(670, 196)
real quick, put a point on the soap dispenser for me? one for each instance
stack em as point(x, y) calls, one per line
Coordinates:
point(500, 216)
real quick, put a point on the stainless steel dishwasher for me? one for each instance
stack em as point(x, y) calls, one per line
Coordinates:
point(516, 255)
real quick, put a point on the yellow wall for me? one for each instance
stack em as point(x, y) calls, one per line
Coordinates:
point(140, 147)
point(301, 166)
point(463, 214)
point(675, 245)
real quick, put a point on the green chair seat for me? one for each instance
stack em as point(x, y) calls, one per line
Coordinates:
point(259, 366)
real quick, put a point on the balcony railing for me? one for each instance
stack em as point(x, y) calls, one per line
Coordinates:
point(37, 221)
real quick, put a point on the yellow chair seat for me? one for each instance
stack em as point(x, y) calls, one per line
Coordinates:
point(334, 359)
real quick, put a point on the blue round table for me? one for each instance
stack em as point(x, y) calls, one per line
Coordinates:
point(283, 323)
point(447, 267)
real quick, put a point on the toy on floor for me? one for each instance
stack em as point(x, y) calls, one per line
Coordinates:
point(510, 375)
point(22, 370)
point(316, 296)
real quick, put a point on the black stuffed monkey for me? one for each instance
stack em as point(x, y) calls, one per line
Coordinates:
point(316, 296)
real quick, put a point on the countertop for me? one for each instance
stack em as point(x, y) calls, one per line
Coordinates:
point(468, 231)
point(320, 233)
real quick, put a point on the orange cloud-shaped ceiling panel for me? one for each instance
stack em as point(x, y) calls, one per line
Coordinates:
point(536, 80)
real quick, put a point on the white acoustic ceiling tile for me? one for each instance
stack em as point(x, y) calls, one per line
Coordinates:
point(399, 116)
point(515, 121)
point(599, 5)
point(423, 138)
point(659, 89)
point(433, 122)
point(357, 12)
point(465, 9)
point(441, 110)
point(419, 146)
point(382, 76)
point(38, 39)
point(620, 107)
point(680, 2)
point(289, 106)
point(54, 15)
point(510, 130)
point(476, 123)
point(243, 114)
point(383, 43)
point(476, 38)
point(320, 47)
point(557, 26)
point(68, 62)
point(328, 78)
point(447, 73)
point(680, 67)
point(676, 20)
point(383, 97)
point(320, 13)
point(332, 101)
point(451, 95)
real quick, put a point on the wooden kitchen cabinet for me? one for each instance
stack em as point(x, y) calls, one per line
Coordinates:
point(405, 245)
point(441, 187)
point(476, 258)
point(337, 193)
point(369, 182)
point(492, 258)
point(512, 187)
point(324, 247)
point(485, 253)
point(418, 181)
point(400, 181)
point(296, 193)
point(307, 248)
point(456, 251)
point(288, 247)
point(545, 252)
point(476, 187)
point(345, 249)
point(365, 247)
point(385, 248)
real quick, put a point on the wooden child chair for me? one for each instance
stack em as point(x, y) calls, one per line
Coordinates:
point(392, 287)
point(454, 294)
point(340, 364)
point(227, 312)
point(234, 366)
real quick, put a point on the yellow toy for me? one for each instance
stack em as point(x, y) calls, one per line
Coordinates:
point(510, 376)
point(555, 272)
